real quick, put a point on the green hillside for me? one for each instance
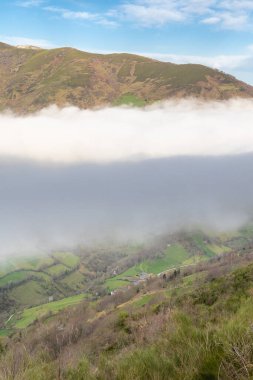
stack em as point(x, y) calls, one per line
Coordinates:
point(194, 323)
point(31, 314)
point(31, 79)
point(26, 282)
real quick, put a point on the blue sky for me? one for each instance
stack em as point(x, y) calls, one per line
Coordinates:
point(218, 33)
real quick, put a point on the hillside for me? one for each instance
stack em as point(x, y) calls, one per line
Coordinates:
point(192, 321)
point(131, 312)
point(27, 282)
point(31, 79)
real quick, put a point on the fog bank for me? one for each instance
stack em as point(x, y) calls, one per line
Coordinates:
point(107, 135)
point(71, 176)
point(49, 207)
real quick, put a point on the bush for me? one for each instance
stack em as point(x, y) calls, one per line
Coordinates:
point(82, 372)
point(121, 322)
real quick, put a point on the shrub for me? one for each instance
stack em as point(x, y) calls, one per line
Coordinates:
point(121, 322)
point(82, 372)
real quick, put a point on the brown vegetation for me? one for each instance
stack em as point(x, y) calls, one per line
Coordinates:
point(32, 79)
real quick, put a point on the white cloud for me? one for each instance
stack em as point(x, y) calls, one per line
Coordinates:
point(211, 20)
point(30, 3)
point(220, 62)
point(67, 14)
point(151, 15)
point(228, 20)
point(119, 134)
point(45, 205)
point(82, 16)
point(228, 14)
point(237, 4)
point(17, 40)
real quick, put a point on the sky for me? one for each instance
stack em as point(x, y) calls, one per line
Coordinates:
point(217, 33)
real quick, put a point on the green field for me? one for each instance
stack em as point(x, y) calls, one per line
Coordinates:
point(13, 277)
point(16, 277)
point(67, 258)
point(35, 263)
point(30, 293)
point(4, 332)
point(30, 315)
point(129, 99)
point(247, 231)
point(74, 280)
point(143, 300)
point(209, 249)
point(193, 278)
point(174, 256)
point(25, 263)
point(218, 249)
point(6, 267)
point(114, 283)
point(57, 270)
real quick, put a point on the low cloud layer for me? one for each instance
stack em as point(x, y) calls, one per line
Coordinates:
point(170, 129)
point(70, 177)
point(48, 207)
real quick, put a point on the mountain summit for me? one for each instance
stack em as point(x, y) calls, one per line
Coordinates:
point(31, 79)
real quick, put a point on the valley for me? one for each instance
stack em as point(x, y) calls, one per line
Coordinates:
point(41, 286)
point(132, 301)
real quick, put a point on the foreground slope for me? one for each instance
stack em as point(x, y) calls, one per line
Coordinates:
point(193, 324)
point(32, 78)
point(192, 321)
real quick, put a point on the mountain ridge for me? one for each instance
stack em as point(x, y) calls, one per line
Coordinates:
point(31, 79)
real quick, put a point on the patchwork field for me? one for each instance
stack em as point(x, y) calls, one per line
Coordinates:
point(29, 292)
point(68, 259)
point(201, 247)
point(174, 256)
point(57, 270)
point(28, 284)
point(30, 315)
point(13, 277)
point(75, 280)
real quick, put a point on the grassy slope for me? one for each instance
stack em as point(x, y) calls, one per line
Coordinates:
point(29, 293)
point(13, 277)
point(37, 289)
point(67, 258)
point(25, 263)
point(31, 314)
point(202, 333)
point(57, 270)
point(33, 79)
point(174, 256)
point(30, 281)
point(177, 255)
point(74, 280)
point(130, 100)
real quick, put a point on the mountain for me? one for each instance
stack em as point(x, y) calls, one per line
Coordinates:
point(31, 79)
